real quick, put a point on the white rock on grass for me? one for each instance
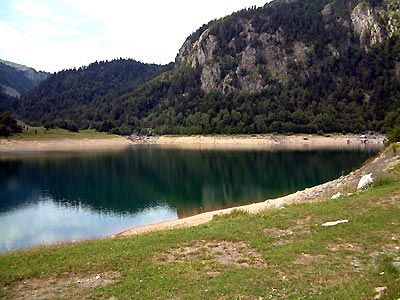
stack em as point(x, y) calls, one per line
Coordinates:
point(380, 290)
point(365, 181)
point(336, 196)
point(334, 223)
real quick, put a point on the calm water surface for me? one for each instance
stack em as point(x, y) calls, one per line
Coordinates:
point(53, 197)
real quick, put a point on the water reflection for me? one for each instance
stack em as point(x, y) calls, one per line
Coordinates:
point(44, 221)
point(68, 196)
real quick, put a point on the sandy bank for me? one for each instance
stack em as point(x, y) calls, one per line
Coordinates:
point(299, 142)
point(7, 146)
point(265, 141)
point(345, 185)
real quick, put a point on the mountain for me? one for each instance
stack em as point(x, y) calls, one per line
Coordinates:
point(83, 96)
point(16, 79)
point(307, 66)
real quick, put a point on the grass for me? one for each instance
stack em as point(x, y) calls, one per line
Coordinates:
point(277, 254)
point(40, 133)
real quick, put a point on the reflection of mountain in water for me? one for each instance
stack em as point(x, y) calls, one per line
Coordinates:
point(190, 181)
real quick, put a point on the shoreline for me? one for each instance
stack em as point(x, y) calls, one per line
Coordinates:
point(308, 194)
point(268, 141)
point(346, 185)
point(67, 144)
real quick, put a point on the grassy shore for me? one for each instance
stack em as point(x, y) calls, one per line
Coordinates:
point(30, 133)
point(38, 139)
point(276, 254)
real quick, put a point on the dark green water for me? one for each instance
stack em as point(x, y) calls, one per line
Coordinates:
point(47, 198)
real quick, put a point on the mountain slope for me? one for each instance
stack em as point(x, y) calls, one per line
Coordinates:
point(290, 66)
point(17, 79)
point(84, 95)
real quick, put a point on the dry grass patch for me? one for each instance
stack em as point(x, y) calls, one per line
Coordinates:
point(236, 254)
point(287, 236)
point(344, 246)
point(278, 233)
point(55, 288)
point(306, 259)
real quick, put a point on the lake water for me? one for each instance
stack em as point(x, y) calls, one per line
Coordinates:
point(53, 197)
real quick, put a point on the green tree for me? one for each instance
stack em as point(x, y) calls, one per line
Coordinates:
point(8, 125)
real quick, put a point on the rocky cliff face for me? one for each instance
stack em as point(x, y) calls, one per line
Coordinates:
point(241, 69)
point(256, 55)
point(373, 24)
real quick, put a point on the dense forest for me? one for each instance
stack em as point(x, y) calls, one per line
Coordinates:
point(82, 98)
point(291, 66)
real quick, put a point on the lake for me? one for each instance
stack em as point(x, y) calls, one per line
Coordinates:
point(54, 197)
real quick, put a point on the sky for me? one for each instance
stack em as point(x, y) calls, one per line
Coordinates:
point(53, 35)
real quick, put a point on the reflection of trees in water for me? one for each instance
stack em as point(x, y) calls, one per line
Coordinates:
point(191, 181)
point(14, 192)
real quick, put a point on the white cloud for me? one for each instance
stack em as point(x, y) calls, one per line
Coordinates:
point(59, 34)
point(32, 9)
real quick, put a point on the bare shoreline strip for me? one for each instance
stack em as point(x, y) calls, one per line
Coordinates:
point(269, 141)
point(194, 142)
point(15, 146)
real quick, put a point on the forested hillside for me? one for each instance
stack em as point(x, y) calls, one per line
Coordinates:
point(307, 66)
point(82, 98)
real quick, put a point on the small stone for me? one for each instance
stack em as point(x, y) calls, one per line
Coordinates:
point(336, 196)
point(380, 289)
point(328, 224)
point(355, 263)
